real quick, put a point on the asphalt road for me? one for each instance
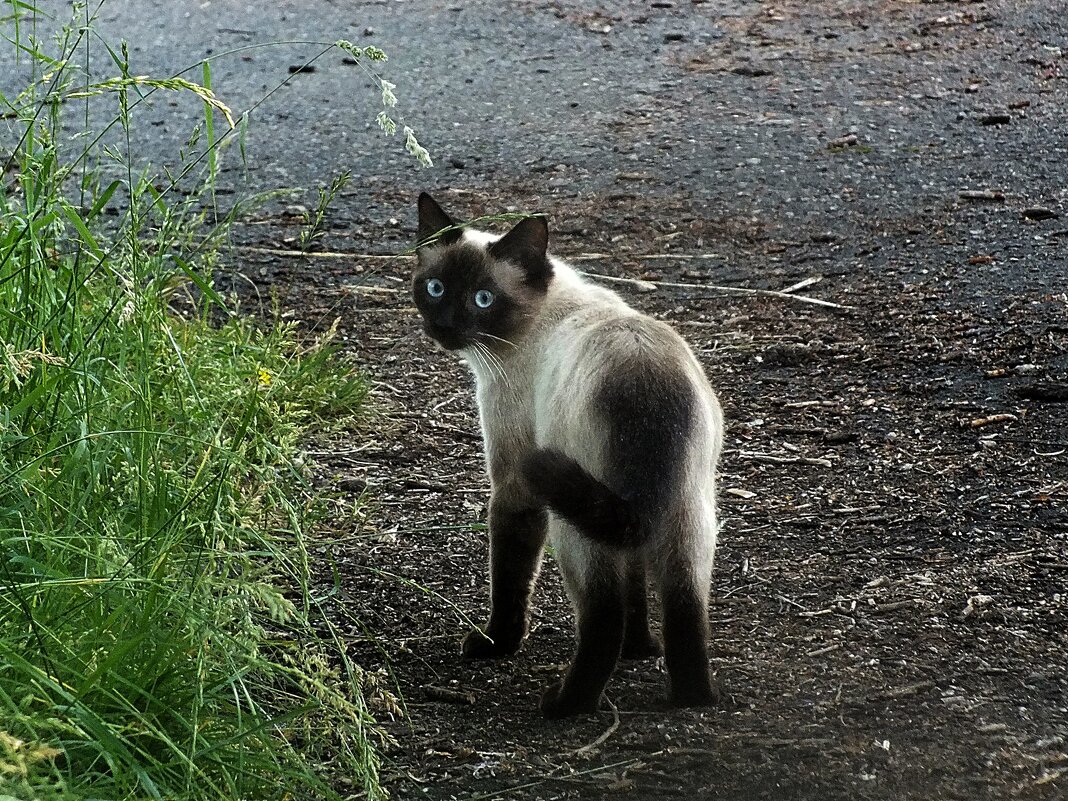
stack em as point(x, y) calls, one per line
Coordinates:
point(727, 110)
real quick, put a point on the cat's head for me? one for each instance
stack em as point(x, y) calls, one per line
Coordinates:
point(471, 287)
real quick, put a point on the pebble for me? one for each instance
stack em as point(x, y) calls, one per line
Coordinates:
point(457, 163)
point(1048, 392)
point(352, 484)
point(1039, 213)
point(674, 37)
point(301, 68)
point(982, 194)
point(751, 71)
point(848, 140)
point(998, 118)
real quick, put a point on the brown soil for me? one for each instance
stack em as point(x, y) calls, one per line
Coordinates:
point(890, 602)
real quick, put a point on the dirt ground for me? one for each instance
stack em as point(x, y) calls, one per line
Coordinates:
point(890, 603)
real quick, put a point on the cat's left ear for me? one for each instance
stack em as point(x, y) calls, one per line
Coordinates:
point(527, 246)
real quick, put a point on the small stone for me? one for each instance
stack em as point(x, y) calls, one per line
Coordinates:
point(674, 37)
point(352, 484)
point(849, 140)
point(741, 493)
point(457, 163)
point(301, 68)
point(982, 194)
point(840, 437)
point(1048, 392)
point(976, 603)
point(787, 355)
point(998, 118)
point(1039, 213)
point(368, 31)
point(751, 71)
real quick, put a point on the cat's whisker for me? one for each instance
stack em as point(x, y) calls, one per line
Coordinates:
point(498, 339)
point(500, 361)
point(477, 351)
point(490, 355)
point(494, 360)
point(501, 370)
point(472, 355)
point(486, 360)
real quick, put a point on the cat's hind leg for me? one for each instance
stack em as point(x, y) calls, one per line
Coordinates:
point(684, 581)
point(639, 642)
point(594, 577)
point(517, 542)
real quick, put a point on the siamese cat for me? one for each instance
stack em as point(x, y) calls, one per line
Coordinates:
point(601, 435)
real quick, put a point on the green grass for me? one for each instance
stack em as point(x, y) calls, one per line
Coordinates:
point(159, 637)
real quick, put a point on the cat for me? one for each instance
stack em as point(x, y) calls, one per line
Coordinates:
point(601, 435)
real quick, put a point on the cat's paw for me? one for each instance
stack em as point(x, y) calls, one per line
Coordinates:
point(554, 705)
point(643, 647)
point(477, 645)
point(694, 695)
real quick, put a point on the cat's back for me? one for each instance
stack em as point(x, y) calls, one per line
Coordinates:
point(599, 335)
point(604, 356)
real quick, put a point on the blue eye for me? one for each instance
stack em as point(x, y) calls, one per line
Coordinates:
point(435, 288)
point(483, 298)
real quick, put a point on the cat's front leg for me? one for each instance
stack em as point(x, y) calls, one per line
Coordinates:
point(517, 541)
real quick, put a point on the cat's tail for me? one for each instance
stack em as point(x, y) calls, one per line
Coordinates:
point(596, 510)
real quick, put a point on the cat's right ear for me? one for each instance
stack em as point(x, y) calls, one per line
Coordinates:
point(432, 219)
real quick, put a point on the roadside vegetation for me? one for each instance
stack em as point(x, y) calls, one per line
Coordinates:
point(160, 636)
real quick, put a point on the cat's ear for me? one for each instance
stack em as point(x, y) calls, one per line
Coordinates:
point(432, 219)
point(526, 245)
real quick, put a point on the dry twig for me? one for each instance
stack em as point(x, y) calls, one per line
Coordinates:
point(461, 697)
point(737, 290)
point(767, 457)
point(590, 747)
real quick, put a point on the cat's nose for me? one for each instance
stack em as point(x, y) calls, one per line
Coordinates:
point(446, 320)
